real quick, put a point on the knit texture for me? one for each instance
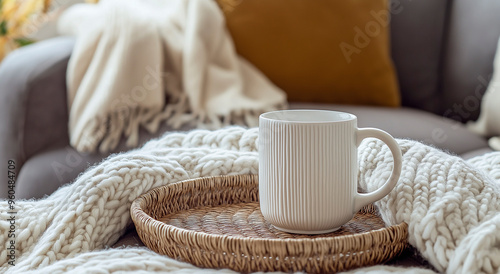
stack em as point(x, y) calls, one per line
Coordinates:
point(452, 206)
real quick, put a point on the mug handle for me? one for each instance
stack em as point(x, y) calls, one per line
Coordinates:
point(363, 199)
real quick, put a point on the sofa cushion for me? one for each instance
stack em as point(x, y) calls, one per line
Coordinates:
point(468, 62)
point(487, 124)
point(318, 51)
point(413, 124)
point(417, 36)
point(475, 153)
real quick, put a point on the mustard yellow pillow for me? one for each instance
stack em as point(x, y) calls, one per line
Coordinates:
point(329, 51)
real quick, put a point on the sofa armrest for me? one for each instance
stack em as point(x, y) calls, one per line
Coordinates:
point(33, 105)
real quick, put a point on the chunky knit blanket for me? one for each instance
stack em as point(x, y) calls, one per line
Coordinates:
point(452, 206)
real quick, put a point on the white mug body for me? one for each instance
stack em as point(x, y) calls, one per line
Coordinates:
point(308, 170)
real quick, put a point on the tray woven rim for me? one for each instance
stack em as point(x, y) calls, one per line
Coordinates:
point(218, 251)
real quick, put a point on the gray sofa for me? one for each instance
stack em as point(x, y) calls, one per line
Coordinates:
point(443, 52)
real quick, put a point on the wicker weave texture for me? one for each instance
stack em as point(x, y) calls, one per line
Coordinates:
point(215, 222)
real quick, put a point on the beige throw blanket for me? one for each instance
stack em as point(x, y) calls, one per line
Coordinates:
point(139, 63)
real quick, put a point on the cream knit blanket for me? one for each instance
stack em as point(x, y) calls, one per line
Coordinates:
point(144, 62)
point(452, 206)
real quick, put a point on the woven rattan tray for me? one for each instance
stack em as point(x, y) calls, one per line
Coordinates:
point(215, 222)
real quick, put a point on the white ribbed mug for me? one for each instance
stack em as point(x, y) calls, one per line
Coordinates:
point(308, 169)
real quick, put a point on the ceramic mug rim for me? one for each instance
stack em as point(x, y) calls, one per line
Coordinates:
point(308, 116)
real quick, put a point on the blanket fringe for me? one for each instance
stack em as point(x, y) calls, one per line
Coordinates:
point(105, 133)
